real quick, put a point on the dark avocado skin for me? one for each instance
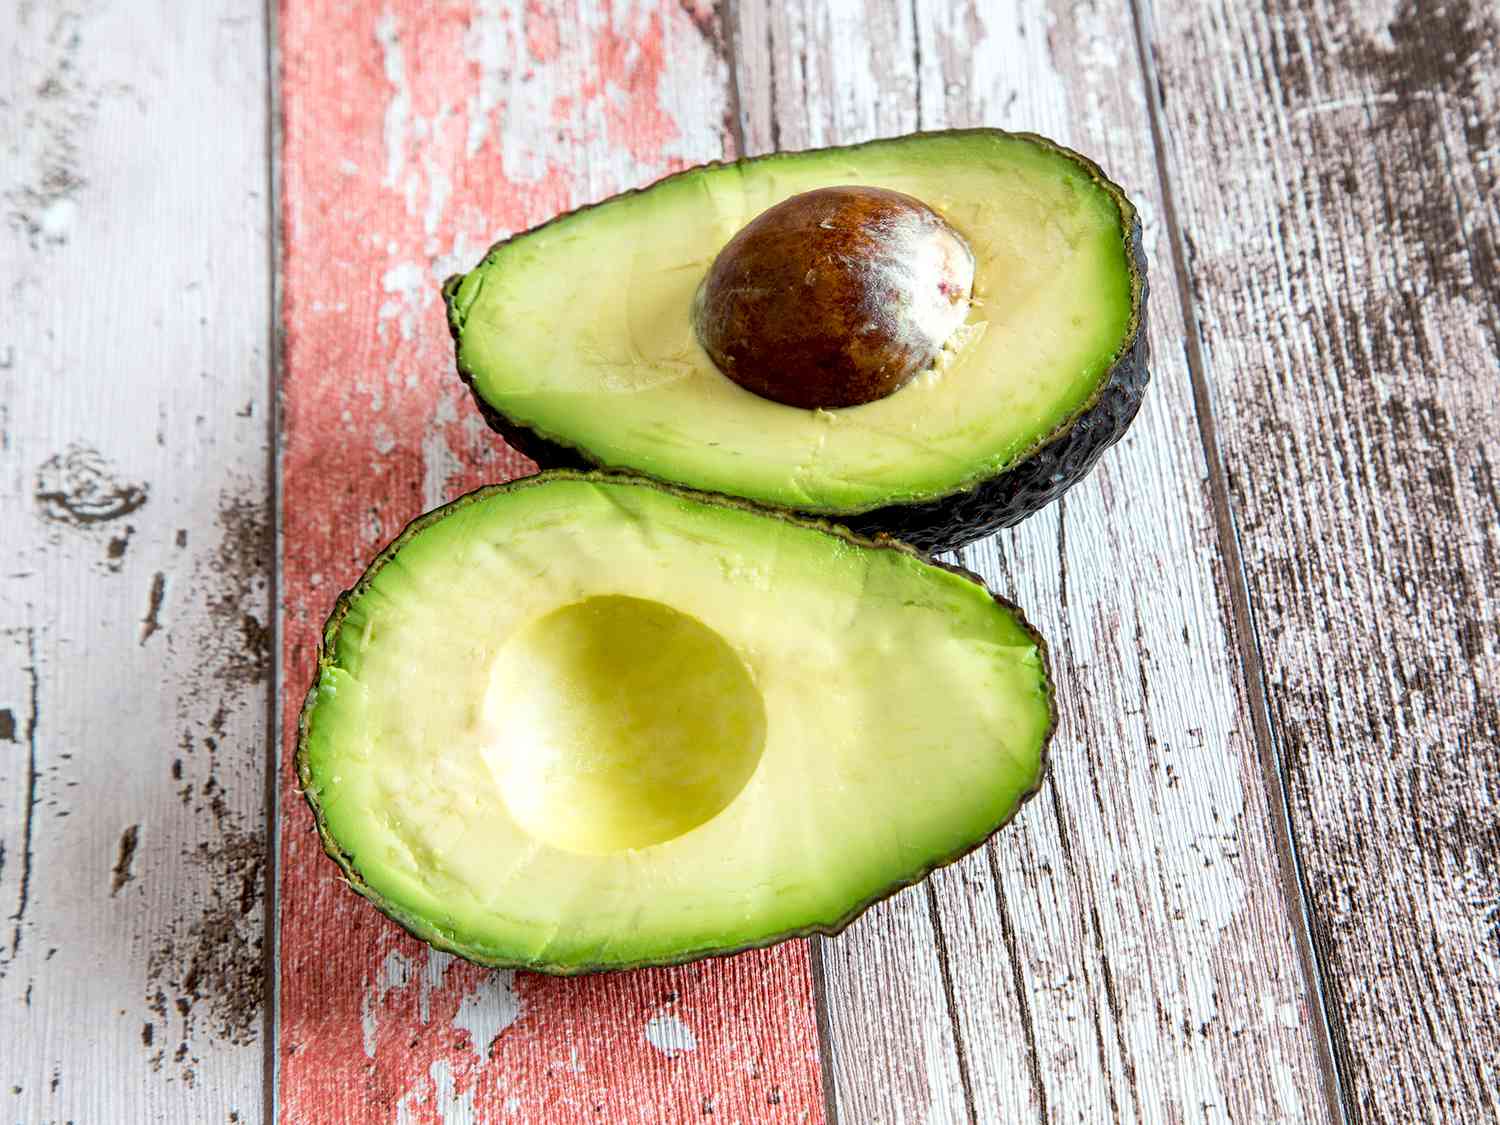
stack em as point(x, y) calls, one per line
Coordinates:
point(425, 930)
point(1029, 484)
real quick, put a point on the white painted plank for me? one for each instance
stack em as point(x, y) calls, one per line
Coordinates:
point(135, 609)
point(1126, 951)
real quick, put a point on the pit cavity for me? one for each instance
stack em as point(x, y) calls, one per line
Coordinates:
point(622, 723)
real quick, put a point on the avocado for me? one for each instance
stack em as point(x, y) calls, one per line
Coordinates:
point(600, 339)
point(586, 721)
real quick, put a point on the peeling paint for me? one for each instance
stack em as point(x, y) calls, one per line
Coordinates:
point(409, 1107)
point(439, 188)
point(398, 109)
point(446, 157)
point(439, 463)
point(670, 1035)
point(485, 45)
point(453, 1107)
point(487, 1010)
point(114, 553)
point(542, 38)
point(151, 623)
point(413, 290)
point(125, 857)
point(431, 981)
point(205, 970)
point(629, 64)
point(210, 966)
point(46, 154)
point(395, 973)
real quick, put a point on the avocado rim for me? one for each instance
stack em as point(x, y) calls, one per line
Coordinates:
point(975, 507)
point(426, 931)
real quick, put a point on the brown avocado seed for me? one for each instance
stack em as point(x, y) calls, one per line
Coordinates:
point(834, 297)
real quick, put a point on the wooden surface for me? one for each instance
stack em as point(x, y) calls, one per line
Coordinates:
point(1338, 190)
point(415, 137)
point(135, 562)
point(1124, 951)
point(1263, 883)
point(1221, 1026)
point(1086, 981)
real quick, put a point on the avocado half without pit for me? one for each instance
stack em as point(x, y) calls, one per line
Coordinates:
point(931, 336)
point(585, 721)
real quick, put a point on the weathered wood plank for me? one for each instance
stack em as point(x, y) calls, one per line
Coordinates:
point(415, 135)
point(1336, 174)
point(1126, 951)
point(798, 90)
point(135, 608)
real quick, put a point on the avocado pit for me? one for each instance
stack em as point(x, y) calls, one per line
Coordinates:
point(834, 297)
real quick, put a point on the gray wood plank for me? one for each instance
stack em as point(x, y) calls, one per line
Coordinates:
point(1335, 172)
point(1128, 950)
point(135, 608)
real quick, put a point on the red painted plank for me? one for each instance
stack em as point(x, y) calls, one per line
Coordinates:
point(415, 134)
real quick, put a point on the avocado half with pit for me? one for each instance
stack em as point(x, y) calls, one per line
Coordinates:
point(931, 336)
point(585, 721)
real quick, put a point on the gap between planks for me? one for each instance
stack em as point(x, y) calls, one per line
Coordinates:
point(271, 1022)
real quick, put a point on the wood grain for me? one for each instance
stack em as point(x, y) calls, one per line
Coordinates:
point(135, 609)
point(415, 135)
point(1336, 173)
point(1127, 950)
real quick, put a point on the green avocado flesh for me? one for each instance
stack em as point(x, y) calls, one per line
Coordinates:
point(580, 331)
point(586, 722)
